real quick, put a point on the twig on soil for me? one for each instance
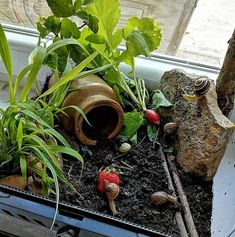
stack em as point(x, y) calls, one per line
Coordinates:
point(124, 163)
point(186, 209)
point(70, 170)
point(122, 167)
point(178, 216)
point(118, 156)
point(68, 138)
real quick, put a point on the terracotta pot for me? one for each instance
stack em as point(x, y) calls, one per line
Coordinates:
point(99, 102)
point(15, 181)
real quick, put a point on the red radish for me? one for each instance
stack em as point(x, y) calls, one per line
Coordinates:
point(152, 116)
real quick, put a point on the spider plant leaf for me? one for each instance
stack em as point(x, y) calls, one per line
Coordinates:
point(23, 167)
point(64, 42)
point(20, 77)
point(68, 151)
point(50, 129)
point(43, 158)
point(32, 77)
point(7, 60)
point(20, 134)
point(79, 111)
point(71, 75)
point(93, 71)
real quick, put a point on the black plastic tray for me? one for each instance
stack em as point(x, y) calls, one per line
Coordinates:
point(40, 210)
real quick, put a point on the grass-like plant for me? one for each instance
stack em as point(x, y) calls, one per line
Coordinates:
point(26, 126)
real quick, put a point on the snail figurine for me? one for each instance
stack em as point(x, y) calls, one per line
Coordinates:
point(112, 191)
point(125, 147)
point(201, 87)
point(170, 128)
point(160, 198)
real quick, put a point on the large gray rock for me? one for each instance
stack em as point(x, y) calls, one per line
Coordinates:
point(204, 131)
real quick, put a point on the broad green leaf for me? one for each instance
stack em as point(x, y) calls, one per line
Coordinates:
point(152, 131)
point(52, 23)
point(90, 20)
point(32, 77)
point(93, 23)
point(151, 32)
point(160, 101)
point(72, 74)
point(137, 45)
point(77, 5)
point(131, 25)
point(23, 167)
point(20, 134)
point(95, 38)
point(132, 122)
point(52, 61)
point(69, 29)
point(7, 60)
point(87, 2)
point(127, 58)
point(42, 30)
point(61, 8)
point(142, 37)
point(117, 38)
point(112, 76)
point(108, 13)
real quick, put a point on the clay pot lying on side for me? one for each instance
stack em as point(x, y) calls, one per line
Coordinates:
point(99, 102)
point(15, 181)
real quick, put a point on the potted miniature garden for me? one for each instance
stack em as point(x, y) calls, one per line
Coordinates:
point(99, 139)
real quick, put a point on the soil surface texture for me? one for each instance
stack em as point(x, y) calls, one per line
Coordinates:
point(141, 174)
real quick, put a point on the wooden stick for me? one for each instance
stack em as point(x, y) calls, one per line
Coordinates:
point(186, 209)
point(178, 215)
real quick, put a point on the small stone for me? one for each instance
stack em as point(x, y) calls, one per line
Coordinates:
point(125, 147)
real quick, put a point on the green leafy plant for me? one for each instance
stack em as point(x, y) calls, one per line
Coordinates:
point(99, 31)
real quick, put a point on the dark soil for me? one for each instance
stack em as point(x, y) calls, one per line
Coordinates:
point(141, 175)
point(199, 194)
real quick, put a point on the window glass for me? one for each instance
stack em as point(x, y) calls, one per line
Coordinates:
point(197, 30)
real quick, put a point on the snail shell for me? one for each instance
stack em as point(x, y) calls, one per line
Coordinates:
point(170, 128)
point(125, 147)
point(112, 190)
point(160, 198)
point(202, 85)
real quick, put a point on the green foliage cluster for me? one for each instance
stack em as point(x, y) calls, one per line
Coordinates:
point(99, 32)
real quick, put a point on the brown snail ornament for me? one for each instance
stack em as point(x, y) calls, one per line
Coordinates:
point(112, 191)
point(170, 128)
point(160, 198)
point(201, 87)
